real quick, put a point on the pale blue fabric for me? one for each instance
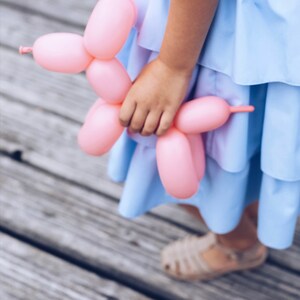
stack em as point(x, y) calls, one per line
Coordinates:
point(252, 41)
point(254, 155)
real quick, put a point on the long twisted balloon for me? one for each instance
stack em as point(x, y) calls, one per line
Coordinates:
point(180, 152)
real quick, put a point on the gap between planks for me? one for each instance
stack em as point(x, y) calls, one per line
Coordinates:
point(28, 273)
point(81, 218)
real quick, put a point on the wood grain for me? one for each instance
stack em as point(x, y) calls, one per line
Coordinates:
point(86, 226)
point(29, 274)
point(62, 199)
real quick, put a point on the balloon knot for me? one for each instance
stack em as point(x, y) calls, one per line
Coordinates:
point(25, 50)
point(241, 109)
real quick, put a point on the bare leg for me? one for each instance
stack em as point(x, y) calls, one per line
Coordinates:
point(243, 236)
point(252, 212)
point(193, 211)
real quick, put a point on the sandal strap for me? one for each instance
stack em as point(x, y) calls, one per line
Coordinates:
point(187, 253)
point(192, 256)
point(184, 258)
point(241, 255)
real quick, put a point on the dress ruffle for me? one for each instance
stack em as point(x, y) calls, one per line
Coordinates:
point(253, 156)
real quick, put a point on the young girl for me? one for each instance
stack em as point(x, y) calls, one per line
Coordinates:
point(247, 52)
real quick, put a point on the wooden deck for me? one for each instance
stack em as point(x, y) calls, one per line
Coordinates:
point(60, 234)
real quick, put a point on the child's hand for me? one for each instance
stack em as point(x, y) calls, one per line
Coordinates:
point(154, 99)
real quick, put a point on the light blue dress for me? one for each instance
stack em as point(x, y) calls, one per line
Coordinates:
point(251, 56)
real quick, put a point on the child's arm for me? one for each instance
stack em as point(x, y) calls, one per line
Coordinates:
point(156, 95)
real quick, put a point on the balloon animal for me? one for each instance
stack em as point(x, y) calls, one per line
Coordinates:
point(180, 152)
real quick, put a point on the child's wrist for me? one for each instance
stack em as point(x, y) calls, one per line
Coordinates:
point(183, 69)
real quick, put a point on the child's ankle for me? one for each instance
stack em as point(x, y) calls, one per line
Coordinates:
point(237, 244)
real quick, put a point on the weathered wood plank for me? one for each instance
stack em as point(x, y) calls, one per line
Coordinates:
point(49, 142)
point(52, 144)
point(74, 12)
point(86, 226)
point(27, 82)
point(30, 274)
point(67, 95)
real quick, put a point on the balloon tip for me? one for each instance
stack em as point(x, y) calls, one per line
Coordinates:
point(241, 109)
point(25, 50)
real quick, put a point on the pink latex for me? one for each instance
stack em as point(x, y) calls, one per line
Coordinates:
point(105, 35)
point(198, 154)
point(109, 80)
point(180, 153)
point(205, 114)
point(108, 27)
point(94, 107)
point(176, 165)
point(101, 130)
point(60, 52)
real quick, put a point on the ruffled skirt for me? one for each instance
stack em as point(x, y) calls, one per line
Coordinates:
point(253, 156)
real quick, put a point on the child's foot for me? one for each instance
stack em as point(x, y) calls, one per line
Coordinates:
point(205, 258)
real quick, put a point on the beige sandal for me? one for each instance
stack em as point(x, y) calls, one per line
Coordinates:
point(185, 258)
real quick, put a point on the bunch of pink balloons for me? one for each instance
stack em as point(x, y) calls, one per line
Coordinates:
point(180, 152)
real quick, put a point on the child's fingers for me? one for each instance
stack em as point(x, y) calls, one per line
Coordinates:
point(151, 123)
point(165, 123)
point(126, 113)
point(138, 119)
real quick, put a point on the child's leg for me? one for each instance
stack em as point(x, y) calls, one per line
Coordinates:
point(252, 212)
point(243, 236)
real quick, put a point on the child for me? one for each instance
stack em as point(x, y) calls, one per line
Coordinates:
point(247, 52)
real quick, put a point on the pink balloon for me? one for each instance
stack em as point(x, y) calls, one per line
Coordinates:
point(109, 27)
point(198, 153)
point(101, 130)
point(180, 153)
point(109, 79)
point(206, 114)
point(176, 165)
point(94, 108)
point(60, 52)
